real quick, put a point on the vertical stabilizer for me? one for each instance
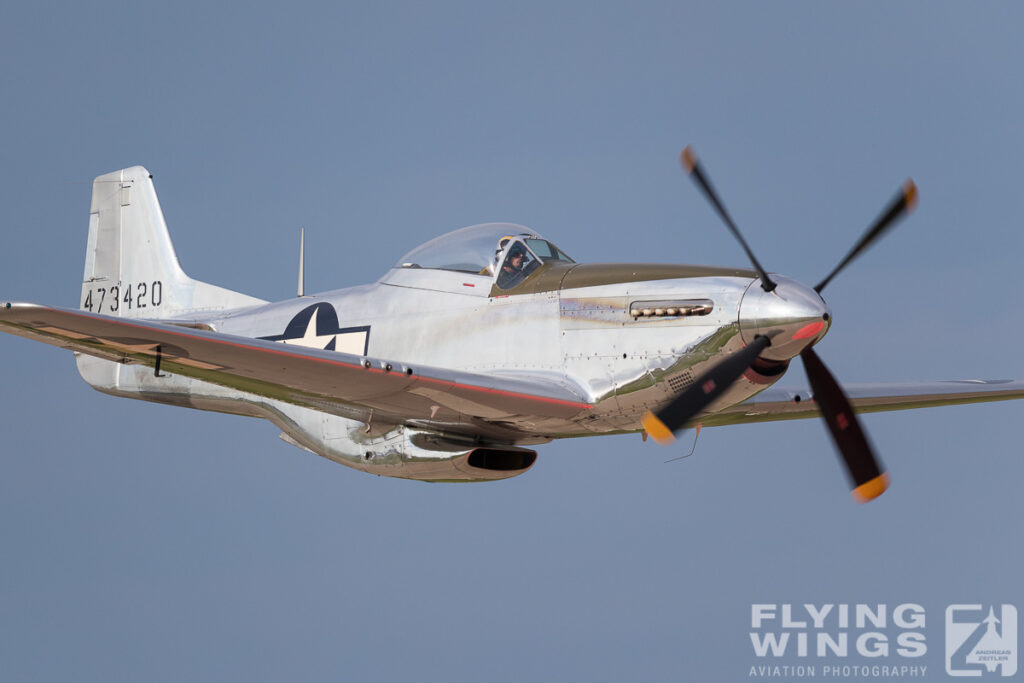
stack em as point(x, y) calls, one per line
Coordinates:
point(131, 269)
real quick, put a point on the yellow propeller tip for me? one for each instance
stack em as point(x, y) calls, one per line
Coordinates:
point(910, 195)
point(688, 159)
point(872, 489)
point(657, 429)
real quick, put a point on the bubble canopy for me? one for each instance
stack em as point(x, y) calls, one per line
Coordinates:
point(476, 248)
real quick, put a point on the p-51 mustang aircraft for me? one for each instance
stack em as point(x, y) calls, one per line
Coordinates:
point(474, 346)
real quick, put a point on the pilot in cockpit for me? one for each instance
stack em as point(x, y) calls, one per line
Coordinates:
point(516, 267)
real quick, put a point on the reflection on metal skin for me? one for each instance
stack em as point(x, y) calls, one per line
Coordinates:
point(633, 364)
point(793, 315)
point(400, 452)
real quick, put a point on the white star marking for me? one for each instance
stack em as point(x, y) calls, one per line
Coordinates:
point(310, 338)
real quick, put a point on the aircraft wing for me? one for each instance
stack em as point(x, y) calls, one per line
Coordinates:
point(386, 391)
point(794, 404)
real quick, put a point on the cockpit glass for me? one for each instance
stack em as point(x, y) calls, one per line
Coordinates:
point(475, 249)
point(547, 251)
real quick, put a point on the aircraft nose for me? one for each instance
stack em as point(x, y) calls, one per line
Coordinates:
point(792, 315)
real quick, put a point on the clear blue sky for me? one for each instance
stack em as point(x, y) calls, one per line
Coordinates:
point(142, 542)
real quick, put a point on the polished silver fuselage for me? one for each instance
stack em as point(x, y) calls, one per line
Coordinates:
point(598, 341)
point(625, 364)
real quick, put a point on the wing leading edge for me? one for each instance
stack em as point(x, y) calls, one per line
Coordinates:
point(390, 391)
point(328, 381)
point(795, 404)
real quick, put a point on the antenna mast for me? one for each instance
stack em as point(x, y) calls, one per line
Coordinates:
point(302, 262)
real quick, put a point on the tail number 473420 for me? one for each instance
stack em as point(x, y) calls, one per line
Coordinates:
point(131, 295)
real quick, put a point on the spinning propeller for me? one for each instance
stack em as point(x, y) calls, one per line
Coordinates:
point(801, 306)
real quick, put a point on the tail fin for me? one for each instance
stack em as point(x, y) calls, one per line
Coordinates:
point(131, 269)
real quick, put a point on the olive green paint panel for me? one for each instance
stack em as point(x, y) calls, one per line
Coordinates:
point(558, 275)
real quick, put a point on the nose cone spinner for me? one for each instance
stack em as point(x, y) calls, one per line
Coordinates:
point(792, 315)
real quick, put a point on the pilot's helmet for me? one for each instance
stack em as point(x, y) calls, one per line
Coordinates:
point(502, 243)
point(517, 250)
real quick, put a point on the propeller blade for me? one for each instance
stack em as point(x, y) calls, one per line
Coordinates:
point(900, 206)
point(694, 169)
point(868, 479)
point(662, 425)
